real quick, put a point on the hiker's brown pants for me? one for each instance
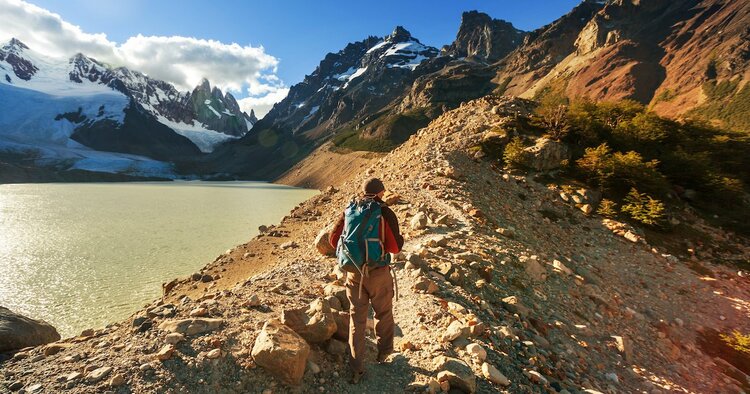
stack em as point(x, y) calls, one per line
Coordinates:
point(377, 288)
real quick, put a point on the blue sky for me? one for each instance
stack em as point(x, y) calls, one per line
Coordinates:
point(296, 33)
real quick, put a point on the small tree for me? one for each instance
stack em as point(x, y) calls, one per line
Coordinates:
point(514, 154)
point(607, 208)
point(555, 120)
point(643, 208)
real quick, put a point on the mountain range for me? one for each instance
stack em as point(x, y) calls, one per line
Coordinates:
point(682, 59)
point(82, 114)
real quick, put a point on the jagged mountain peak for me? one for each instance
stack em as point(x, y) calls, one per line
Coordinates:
point(482, 37)
point(399, 34)
point(14, 44)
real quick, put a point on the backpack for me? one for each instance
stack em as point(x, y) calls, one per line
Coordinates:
point(360, 244)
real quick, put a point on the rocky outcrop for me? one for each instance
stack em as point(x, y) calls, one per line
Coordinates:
point(546, 154)
point(18, 332)
point(483, 38)
point(315, 323)
point(281, 352)
point(12, 53)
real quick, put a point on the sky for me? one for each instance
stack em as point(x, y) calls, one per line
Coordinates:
point(254, 49)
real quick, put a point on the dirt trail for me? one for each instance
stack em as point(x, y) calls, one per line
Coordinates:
point(558, 301)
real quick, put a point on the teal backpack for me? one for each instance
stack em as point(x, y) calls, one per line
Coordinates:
point(360, 246)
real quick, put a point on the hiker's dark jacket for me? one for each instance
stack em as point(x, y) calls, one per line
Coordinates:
point(389, 234)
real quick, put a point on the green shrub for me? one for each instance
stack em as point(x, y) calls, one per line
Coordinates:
point(618, 172)
point(514, 155)
point(607, 208)
point(738, 341)
point(643, 208)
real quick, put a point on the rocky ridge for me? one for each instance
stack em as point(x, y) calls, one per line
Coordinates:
point(504, 286)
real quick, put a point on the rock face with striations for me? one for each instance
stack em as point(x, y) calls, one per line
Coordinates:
point(17, 331)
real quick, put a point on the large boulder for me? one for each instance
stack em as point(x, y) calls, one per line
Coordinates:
point(546, 154)
point(17, 331)
point(315, 323)
point(281, 352)
point(323, 244)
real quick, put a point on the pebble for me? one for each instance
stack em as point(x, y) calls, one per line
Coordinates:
point(494, 375)
point(214, 354)
point(476, 351)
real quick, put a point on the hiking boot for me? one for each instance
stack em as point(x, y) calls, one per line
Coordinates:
point(356, 377)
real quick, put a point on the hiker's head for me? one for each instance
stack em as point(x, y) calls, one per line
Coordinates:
point(373, 187)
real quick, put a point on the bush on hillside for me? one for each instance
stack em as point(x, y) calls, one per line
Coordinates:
point(513, 154)
point(617, 172)
point(607, 208)
point(643, 208)
point(738, 341)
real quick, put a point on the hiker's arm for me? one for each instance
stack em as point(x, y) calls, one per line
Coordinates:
point(335, 234)
point(392, 230)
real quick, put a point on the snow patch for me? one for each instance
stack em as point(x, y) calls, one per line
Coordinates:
point(204, 138)
point(218, 115)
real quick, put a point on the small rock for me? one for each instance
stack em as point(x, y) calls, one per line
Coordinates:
point(214, 354)
point(15, 386)
point(165, 353)
point(425, 285)
point(313, 368)
point(456, 373)
point(536, 377)
point(419, 221)
point(117, 380)
point(494, 375)
point(174, 338)
point(207, 278)
point(476, 351)
point(73, 376)
point(191, 326)
point(55, 348)
point(454, 330)
point(558, 265)
point(199, 312)
point(98, 374)
point(336, 347)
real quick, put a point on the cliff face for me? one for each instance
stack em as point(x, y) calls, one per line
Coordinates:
point(481, 37)
point(661, 53)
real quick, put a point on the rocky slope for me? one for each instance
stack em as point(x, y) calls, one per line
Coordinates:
point(663, 53)
point(504, 286)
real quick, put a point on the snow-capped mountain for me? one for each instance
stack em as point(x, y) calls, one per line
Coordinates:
point(61, 111)
point(358, 80)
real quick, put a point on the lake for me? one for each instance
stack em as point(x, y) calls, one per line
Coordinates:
point(84, 255)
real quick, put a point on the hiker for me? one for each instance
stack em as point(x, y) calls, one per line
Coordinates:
point(364, 237)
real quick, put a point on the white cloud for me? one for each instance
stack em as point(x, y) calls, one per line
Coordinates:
point(263, 104)
point(183, 61)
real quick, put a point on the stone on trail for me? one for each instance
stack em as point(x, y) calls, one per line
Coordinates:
point(281, 352)
point(117, 380)
point(338, 292)
point(534, 268)
point(456, 373)
point(419, 221)
point(165, 353)
point(98, 374)
point(55, 348)
point(18, 332)
point(476, 351)
point(315, 323)
point(494, 375)
point(322, 243)
point(454, 330)
point(213, 354)
point(513, 305)
point(425, 285)
point(191, 326)
point(558, 265)
point(336, 347)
